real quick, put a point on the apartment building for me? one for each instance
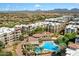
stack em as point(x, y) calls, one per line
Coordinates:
point(60, 22)
point(68, 17)
point(52, 27)
point(8, 35)
point(58, 19)
point(75, 21)
point(17, 33)
point(52, 24)
point(74, 24)
point(70, 29)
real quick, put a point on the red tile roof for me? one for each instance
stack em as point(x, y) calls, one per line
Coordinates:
point(47, 32)
point(75, 46)
point(38, 35)
point(32, 39)
point(41, 34)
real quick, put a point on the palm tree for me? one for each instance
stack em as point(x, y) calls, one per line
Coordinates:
point(70, 35)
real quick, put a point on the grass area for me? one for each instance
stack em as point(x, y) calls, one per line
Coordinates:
point(3, 53)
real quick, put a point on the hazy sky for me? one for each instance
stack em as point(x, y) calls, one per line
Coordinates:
point(35, 6)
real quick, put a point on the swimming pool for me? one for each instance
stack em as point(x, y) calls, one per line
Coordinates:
point(49, 46)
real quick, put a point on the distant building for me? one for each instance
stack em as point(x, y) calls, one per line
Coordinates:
point(68, 18)
point(52, 24)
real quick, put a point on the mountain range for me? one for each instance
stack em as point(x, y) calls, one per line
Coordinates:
point(74, 10)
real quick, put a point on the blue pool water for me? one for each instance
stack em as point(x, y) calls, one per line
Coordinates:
point(50, 46)
point(38, 50)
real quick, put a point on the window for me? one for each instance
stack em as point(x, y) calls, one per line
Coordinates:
point(68, 30)
point(72, 30)
point(77, 40)
point(5, 38)
point(5, 34)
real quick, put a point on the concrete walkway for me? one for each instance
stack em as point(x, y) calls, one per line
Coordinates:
point(19, 48)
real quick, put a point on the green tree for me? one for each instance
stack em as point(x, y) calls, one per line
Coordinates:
point(70, 35)
point(59, 40)
point(63, 44)
point(21, 38)
point(40, 40)
point(1, 45)
point(28, 49)
point(65, 39)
